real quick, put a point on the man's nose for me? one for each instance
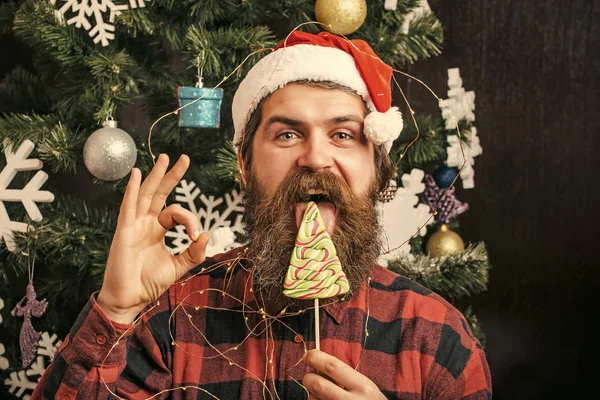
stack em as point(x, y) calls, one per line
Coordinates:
point(315, 154)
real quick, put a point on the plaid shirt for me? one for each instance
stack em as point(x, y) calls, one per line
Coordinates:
point(409, 341)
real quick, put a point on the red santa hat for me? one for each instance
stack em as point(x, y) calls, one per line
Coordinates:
point(323, 57)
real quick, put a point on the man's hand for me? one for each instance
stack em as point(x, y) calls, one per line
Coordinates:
point(335, 379)
point(139, 268)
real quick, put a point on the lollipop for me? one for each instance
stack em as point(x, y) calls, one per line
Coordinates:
point(315, 271)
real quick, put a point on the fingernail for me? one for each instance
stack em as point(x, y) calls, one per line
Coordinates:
point(196, 234)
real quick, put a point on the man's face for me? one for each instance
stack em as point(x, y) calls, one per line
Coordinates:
point(311, 128)
point(310, 145)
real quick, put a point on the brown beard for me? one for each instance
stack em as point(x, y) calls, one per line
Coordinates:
point(270, 226)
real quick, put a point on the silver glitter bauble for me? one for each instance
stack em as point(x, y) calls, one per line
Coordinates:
point(109, 153)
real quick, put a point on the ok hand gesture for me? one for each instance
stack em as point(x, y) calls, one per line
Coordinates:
point(139, 267)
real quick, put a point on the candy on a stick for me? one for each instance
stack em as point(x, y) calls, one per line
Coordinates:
point(315, 271)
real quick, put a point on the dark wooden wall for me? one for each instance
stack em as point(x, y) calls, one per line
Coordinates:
point(534, 67)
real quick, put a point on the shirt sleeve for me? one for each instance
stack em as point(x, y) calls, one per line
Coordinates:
point(477, 378)
point(459, 370)
point(100, 357)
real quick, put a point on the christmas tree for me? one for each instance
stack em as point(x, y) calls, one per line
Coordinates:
point(113, 84)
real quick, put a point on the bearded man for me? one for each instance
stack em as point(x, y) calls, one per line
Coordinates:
point(313, 121)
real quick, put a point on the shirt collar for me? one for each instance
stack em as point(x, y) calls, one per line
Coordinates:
point(338, 309)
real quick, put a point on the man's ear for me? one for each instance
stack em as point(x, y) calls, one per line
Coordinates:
point(241, 167)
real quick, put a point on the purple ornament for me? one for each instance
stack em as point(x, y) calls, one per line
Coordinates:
point(29, 337)
point(448, 208)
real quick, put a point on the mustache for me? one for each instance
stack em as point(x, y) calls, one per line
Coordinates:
point(297, 188)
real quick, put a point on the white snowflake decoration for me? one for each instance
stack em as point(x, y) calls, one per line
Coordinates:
point(403, 217)
point(466, 161)
point(420, 10)
point(3, 360)
point(29, 195)
point(18, 383)
point(48, 345)
point(21, 383)
point(102, 31)
point(390, 5)
point(221, 222)
point(459, 105)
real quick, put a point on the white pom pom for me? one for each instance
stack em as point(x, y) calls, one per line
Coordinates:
point(383, 128)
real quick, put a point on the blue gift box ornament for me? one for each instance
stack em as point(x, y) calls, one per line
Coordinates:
point(204, 113)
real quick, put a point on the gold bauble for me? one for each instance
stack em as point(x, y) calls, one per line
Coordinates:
point(444, 242)
point(344, 16)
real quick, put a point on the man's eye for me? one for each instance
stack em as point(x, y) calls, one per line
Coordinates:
point(342, 136)
point(287, 135)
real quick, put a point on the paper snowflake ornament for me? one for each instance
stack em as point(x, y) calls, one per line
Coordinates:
point(403, 217)
point(48, 345)
point(28, 196)
point(463, 156)
point(21, 383)
point(420, 10)
point(90, 14)
point(3, 360)
point(221, 217)
point(459, 105)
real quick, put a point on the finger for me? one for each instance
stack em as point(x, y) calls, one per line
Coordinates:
point(167, 184)
point(177, 215)
point(150, 184)
point(336, 370)
point(127, 211)
point(323, 388)
point(193, 255)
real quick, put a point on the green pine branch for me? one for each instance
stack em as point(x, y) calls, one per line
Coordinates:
point(428, 149)
point(57, 146)
point(226, 43)
point(36, 25)
point(452, 277)
point(291, 13)
point(383, 30)
point(424, 39)
point(7, 14)
point(227, 165)
point(23, 91)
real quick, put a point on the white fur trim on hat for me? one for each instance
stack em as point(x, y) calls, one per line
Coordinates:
point(311, 62)
point(383, 128)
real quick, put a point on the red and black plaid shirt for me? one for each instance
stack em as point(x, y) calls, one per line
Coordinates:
point(409, 341)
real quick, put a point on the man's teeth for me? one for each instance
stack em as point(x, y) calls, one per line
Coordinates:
point(315, 191)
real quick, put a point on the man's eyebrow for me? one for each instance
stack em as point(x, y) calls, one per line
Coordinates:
point(282, 120)
point(295, 123)
point(345, 118)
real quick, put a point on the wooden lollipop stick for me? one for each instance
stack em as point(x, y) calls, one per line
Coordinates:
point(317, 330)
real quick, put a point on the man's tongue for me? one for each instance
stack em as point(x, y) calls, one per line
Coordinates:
point(327, 211)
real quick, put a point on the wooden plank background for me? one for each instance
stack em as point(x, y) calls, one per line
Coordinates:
point(534, 67)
